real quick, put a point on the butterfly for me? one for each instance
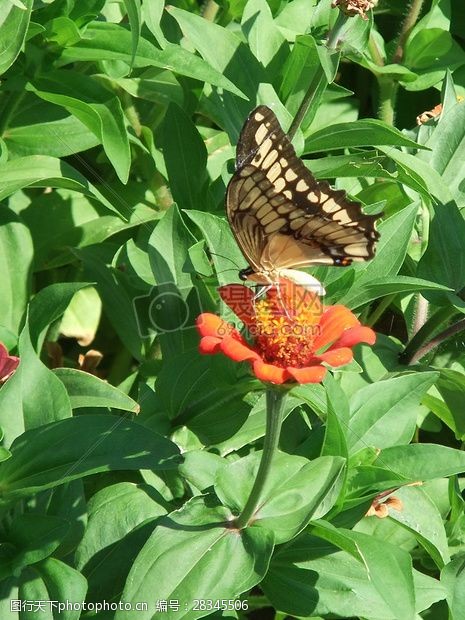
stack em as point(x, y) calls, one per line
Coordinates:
point(282, 217)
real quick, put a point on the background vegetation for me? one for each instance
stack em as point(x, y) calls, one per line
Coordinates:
point(118, 124)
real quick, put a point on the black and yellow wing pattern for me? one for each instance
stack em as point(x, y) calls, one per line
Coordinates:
point(281, 216)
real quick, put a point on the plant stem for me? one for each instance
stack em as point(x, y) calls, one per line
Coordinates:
point(426, 333)
point(210, 10)
point(407, 26)
point(131, 113)
point(440, 338)
point(421, 313)
point(387, 99)
point(335, 32)
point(274, 419)
point(379, 310)
point(306, 102)
point(388, 86)
point(13, 102)
point(375, 51)
point(315, 84)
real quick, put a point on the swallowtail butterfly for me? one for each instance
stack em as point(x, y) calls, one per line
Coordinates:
point(282, 217)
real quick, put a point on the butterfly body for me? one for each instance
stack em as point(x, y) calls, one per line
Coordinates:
point(282, 217)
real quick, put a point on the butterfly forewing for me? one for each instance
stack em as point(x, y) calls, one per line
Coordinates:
point(281, 216)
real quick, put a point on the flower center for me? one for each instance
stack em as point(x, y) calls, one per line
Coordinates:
point(286, 325)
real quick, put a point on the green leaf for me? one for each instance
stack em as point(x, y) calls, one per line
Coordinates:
point(252, 428)
point(421, 461)
point(57, 138)
point(448, 148)
point(152, 13)
point(226, 256)
point(126, 505)
point(43, 171)
point(367, 132)
point(206, 540)
point(265, 40)
point(384, 413)
point(420, 515)
point(82, 317)
point(81, 446)
point(433, 49)
point(185, 157)
point(388, 567)
point(395, 233)
point(295, 492)
point(106, 41)
point(119, 301)
point(133, 8)
point(175, 303)
point(443, 260)
point(453, 579)
point(16, 254)
point(95, 106)
point(35, 537)
point(85, 390)
point(300, 67)
point(337, 420)
point(310, 577)
point(415, 169)
point(60, 583)
point(32, 396)
point(62, 31)
point(401, 284)
point(49, 305)
point(222, 49)
point(200, 468)
point(451, 386)
point(13, 29)
point(212, 407)
point(155, 85)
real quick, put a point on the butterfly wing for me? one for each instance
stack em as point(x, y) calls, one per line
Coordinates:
point(281, 216)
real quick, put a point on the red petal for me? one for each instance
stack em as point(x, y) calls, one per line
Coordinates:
point(310, 374)
point(3, 351)
point(209, 345)
point(333, 322)
point(336, 357)
point(8, 363)
point(355, 335)
point(212, 325)
point(240, 299)
point(237, 349)
point(270, 373)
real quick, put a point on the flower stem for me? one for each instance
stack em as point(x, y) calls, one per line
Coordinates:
point(319, 76)
point(274, 419)
point(407, 26)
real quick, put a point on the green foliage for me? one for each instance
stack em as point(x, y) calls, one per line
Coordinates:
point(118, 126)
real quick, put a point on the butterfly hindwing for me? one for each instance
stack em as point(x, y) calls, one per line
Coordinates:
point(280, 214)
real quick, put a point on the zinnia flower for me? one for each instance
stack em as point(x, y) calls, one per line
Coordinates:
point(8, 363)
point(291, 334)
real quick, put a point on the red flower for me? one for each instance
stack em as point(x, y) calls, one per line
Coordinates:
point(8, 363)
point(291, 333)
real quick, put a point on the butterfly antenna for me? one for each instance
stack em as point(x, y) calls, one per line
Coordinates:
point(226, 258)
